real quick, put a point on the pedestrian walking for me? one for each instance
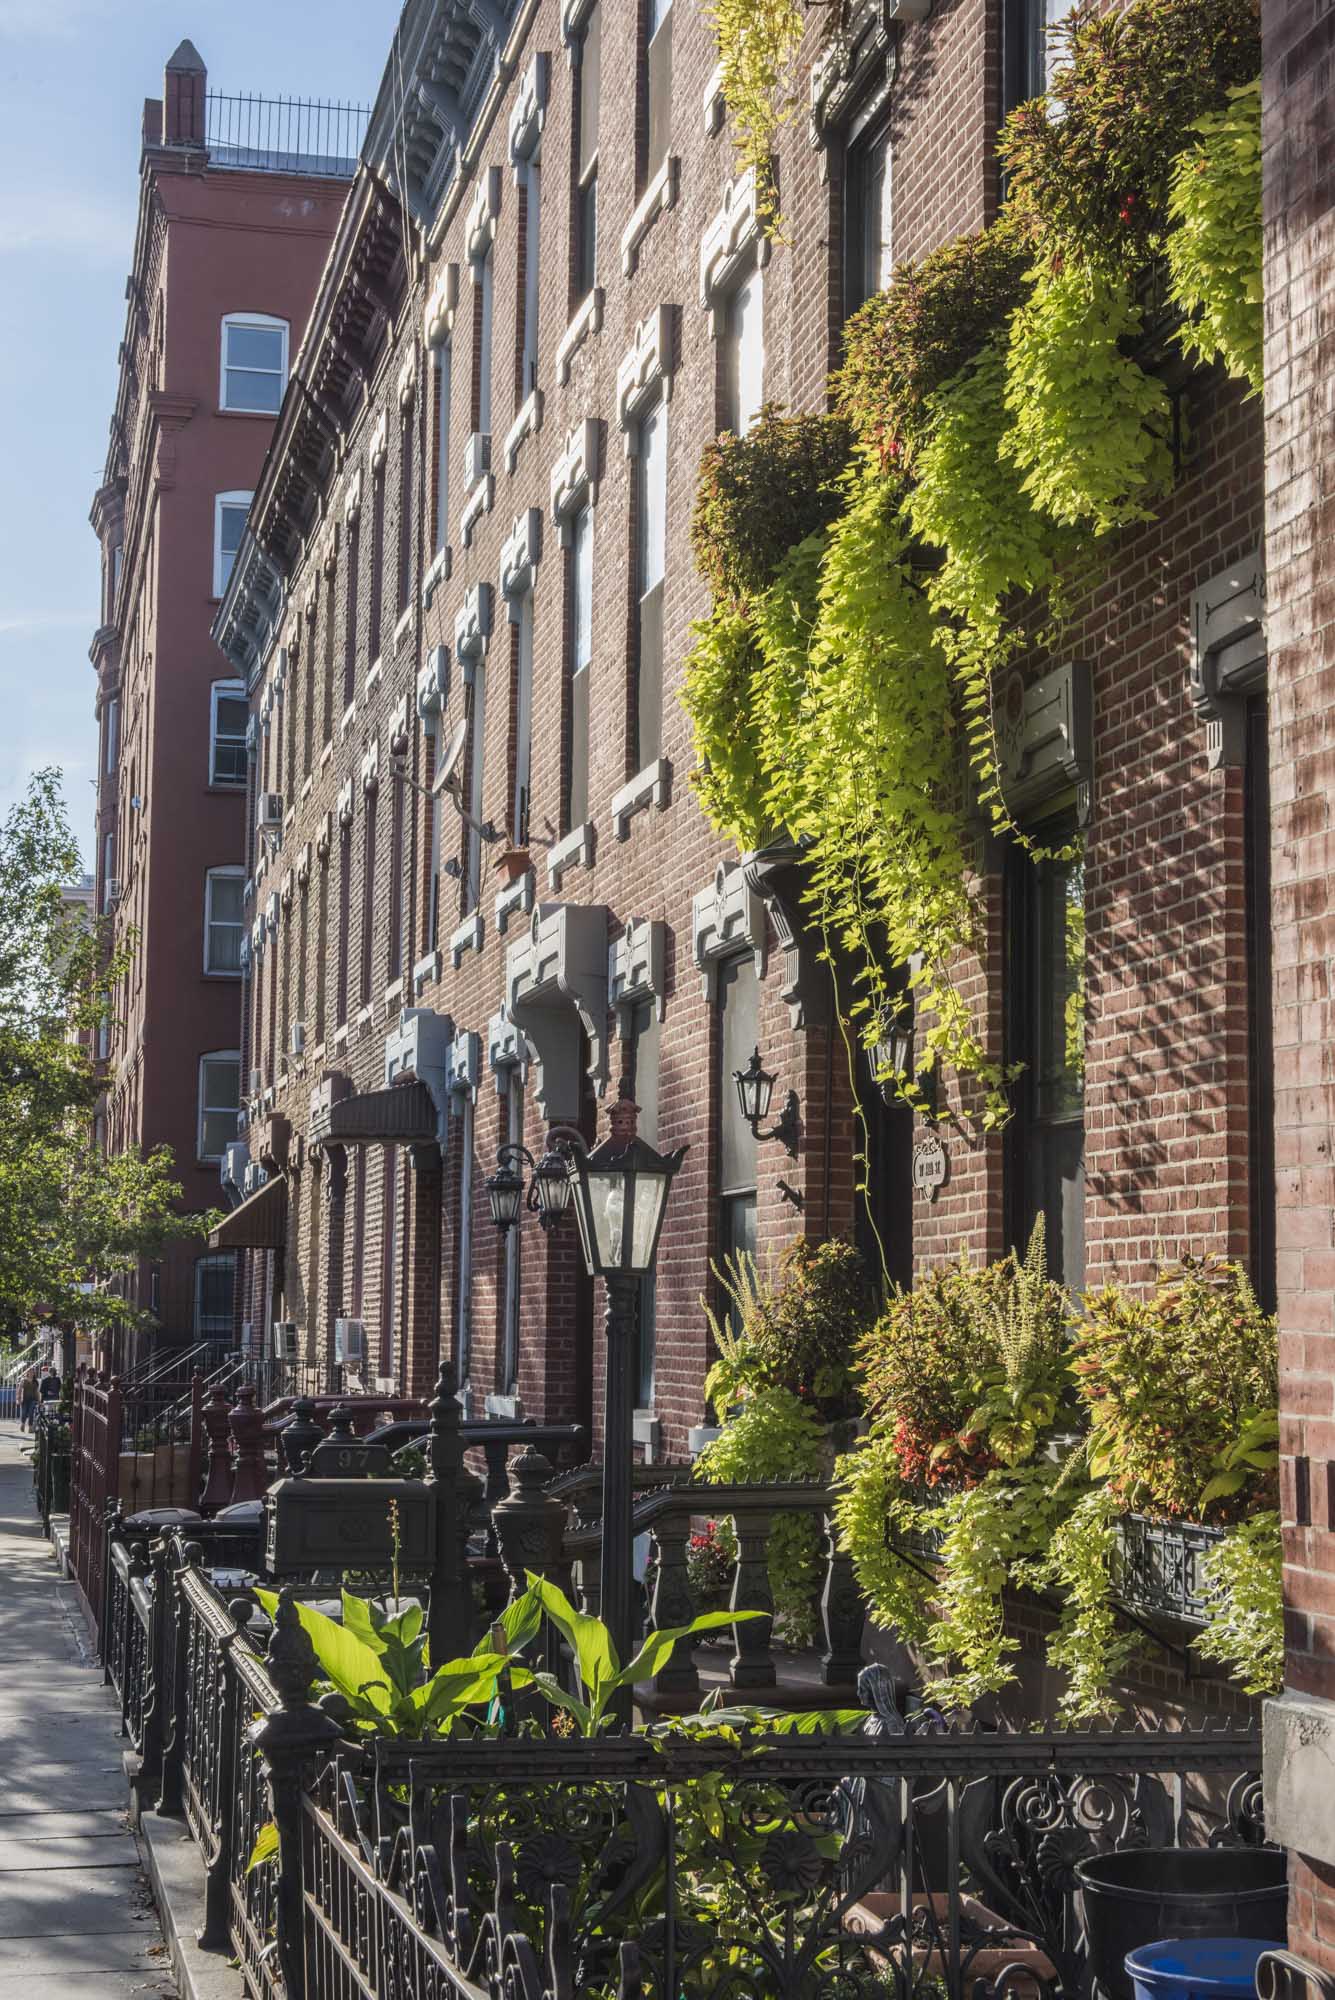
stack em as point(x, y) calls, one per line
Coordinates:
point(28, 1400)
point(50, 1387)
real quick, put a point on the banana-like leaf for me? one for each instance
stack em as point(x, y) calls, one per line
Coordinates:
point(344, 1659)
point(655, 1651)
point(265, 1848)
point(595, 1655)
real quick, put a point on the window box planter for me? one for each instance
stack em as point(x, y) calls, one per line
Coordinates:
point(1159, 1567)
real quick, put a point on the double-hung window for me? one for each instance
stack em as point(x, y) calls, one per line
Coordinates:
point(1046, 1036)
point(215, 1282)
point(223, 924)
point(113, 734)
point(739, 1012)
point(532, 213)
point(657, 84)
point(254, 363)
point(484, 309)
point(523, 722)
point(442, 533)
point(581, 652)
point(744, 356)
point(1029, 51)
point(867, 244)
point(650, 549)
point(227, 733)
point(643, 1052)
point(407, 451)
point(219, 1102)
point(584, 234)
point(229, 525)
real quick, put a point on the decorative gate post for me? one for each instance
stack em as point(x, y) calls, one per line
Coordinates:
point(455, 1492)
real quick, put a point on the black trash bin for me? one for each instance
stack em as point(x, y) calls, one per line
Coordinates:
point(1142, 1894)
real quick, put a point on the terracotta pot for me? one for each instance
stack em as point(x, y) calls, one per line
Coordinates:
point(513, 863)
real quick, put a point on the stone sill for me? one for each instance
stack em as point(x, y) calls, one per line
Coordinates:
point(327, 755)
point(651, 786)
point(349, 717)
point(374, 678)
point(468, 937)
point(477, 504)
point(393, 995)
point(657, 199)
point(437, 574)
point(586, 320)
point(526, 424)
point(715, 104)
point(308, 785)
point(515, 899)
point(405, 625)
point(575, 851)
point(426, 970)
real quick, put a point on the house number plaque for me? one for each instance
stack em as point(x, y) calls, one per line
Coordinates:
point(931, 1164)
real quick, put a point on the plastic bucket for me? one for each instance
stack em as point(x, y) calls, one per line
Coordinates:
point(1213, 1968)
point(1143, 1894)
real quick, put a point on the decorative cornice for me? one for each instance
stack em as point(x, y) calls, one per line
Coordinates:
point(646, 369)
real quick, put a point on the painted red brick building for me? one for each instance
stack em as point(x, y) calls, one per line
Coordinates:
point(471, 531)
point(238, 202)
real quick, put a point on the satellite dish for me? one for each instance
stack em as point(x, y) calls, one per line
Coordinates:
point(447, 776)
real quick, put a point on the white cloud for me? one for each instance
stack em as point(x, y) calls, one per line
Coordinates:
point(71, 225)
point(14, 623)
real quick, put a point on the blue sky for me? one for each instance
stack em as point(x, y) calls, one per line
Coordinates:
point(73, 77)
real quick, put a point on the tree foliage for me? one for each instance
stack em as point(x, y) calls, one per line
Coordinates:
point(69, 1218)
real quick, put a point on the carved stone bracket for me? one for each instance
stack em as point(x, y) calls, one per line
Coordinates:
point(419, 1049)
point(520, 555)
point(773, 873)
point(733, 243)
point(1045, 739)
point(726, 916)
point(507, 1050)
point(636, 969)
point(1228, 655)
point(556, 986)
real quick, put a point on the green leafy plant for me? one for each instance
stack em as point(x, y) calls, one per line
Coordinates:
point(1089, 167)
point(1022, 1322)
point(1173, 1383)
point(1243, 1580)
point(1214, 252)
point(797, 1331)
point(761, 494)
point(908, 341)
point(378, 1664)
point(1091, 1646)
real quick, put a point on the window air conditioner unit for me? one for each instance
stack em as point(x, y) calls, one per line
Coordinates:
point(296, 1041)
point(235, 1159)
point(285, 1340)
point(113, 889)
point(270, 816)
point(477, 457)
point(253, 1177)
point(349, 1342)
point(256, 1082)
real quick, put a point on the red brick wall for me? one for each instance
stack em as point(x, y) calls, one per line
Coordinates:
point(1300, 518)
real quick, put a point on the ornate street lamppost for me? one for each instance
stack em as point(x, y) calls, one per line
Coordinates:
point(619, 1192)
point(620, 1198)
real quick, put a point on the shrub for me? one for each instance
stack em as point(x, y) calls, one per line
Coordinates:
point(798, 1332)
point(911, 339)
point(1173, 1383)
point(760, 494)
point(1090, 167)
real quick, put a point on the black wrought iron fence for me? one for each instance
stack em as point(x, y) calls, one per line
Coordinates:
point(284, 134)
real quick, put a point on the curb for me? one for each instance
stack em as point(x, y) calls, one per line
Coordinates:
point(171, 1861)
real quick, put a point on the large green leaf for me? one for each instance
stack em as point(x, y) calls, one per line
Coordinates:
point(265, 1848)
point(657, 1648)
point(595, 1655)
point(344, 1659)
point(520, 1621)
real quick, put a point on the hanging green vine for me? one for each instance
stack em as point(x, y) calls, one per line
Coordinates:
point(1214, 253)
point(1243, 1580)
point(758, 41)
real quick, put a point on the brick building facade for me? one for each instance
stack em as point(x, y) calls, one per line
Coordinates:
point(471, 533)
point(230, 242)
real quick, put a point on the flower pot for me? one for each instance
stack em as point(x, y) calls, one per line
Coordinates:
point(1137, 1895)
point(513, 863)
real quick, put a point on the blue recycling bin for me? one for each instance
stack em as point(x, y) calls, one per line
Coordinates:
point(1208, 1968)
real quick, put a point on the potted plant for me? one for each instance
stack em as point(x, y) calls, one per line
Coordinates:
point(514, 862)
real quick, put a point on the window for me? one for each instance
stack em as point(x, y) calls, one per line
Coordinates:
point(532, 226)
point(113, 734)
point(219, 1102)
point(1046, 995)
point(442, 534)
point(308, 704)
point(215, 1286)
point(407, 442)
point(463, 1323)
point(739, 1007)
point(643, 1068)
point(303, 944)
point(228, 716)
point(483, 310)
point(394, 957)
point(435, 811)
point(254, 362)
point(867, 255)
point(657, 83)
point(344, 916)
point(584, 230)
point(1029, 52)
point(744, 357)
point(581, 649)
point(223, 927)
point(368, 895)
point(389, 1272)
point(358, 1288)
point(650, 509)
point(477, 723)
point(229, 523)
point(523, 722)
point(108, 868)
point(350, 616)
point(507, 1373)
point(377, 564)
point(1260, 1024)
point(321, 951)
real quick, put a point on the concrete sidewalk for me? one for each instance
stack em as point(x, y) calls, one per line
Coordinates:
point(76, 1912)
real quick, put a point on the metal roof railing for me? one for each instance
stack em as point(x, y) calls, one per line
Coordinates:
point(284, 135)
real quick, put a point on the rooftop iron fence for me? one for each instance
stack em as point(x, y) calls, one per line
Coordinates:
point(284, 135)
